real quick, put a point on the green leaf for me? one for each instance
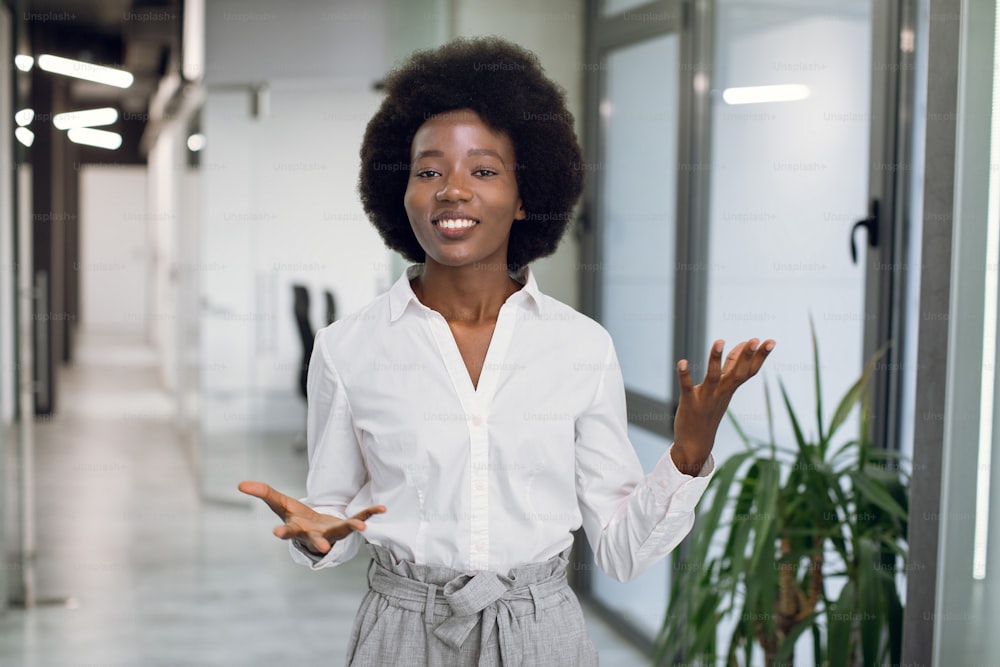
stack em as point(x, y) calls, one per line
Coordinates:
point(799, 438)
point(853, 395)
point(839, 624)
point(788, 646)
point(817, 642)
point(766, 497)
point(770, 417)
point(819, 388)
point(876, 494)
point(894, 619)
point(739, 429)
point(867, 611)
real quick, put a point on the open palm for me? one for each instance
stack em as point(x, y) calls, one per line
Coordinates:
point(315, 531)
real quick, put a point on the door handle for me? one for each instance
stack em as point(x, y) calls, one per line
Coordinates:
point(871, 224)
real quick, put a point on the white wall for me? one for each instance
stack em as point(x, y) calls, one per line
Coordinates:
point(165, 160)
point(279, 207)
point(279, 202)
point(114, 249)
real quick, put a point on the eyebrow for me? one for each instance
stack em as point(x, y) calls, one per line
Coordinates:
point(472, 151)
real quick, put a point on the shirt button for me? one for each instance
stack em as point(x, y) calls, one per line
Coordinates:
point(477, 420)
point(479, 485)
point(479, 547)
point(664, 483)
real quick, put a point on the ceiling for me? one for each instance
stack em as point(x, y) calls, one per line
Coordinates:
point(140, 36)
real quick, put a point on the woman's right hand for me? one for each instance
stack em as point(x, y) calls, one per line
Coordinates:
point(315, 531)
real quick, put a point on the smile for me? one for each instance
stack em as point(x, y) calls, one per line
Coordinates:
point(456, 223)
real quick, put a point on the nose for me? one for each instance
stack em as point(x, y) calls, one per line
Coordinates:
point(454, 188)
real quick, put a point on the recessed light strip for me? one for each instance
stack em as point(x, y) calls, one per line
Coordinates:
point(88, 118)
point(25, 136)
point(87, 71)
point(24, 117)
point(91, 137)
point(791, 92)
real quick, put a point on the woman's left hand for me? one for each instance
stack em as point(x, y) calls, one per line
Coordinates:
point(702, 407)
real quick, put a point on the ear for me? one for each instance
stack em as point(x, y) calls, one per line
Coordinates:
point(521, 214)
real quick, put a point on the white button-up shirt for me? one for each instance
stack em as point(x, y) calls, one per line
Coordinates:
point(493, 476)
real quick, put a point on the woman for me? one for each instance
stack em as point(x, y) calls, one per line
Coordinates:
point(465, 422)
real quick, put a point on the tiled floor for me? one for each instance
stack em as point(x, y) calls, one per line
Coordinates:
point(138, 567)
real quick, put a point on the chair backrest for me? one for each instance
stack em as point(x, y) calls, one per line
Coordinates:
point(306, 333)
point(331, 307)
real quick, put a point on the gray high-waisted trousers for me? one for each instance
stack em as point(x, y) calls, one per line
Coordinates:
point(433, 616)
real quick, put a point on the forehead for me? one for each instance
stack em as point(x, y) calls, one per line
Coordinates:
point(460, 128)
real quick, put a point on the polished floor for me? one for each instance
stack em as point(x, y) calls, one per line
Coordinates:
point(142, 561)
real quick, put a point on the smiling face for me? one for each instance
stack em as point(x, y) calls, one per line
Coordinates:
point(462, 196)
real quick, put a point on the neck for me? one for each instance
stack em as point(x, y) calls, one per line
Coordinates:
point(470, 294)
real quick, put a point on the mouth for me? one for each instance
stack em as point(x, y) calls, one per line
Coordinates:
point(452, 225)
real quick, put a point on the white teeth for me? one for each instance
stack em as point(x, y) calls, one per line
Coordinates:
point(456, 223)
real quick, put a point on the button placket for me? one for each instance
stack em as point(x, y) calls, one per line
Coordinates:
point(479, 490)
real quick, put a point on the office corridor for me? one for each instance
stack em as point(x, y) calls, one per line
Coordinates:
point(134, 568)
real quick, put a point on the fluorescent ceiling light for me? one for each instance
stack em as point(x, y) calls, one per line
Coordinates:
point(760, 94)
point(92, 137)
point(24, 117)
point(25, 136)
point(88, 71)
point(88, 118)
point(196, 142)
point(24, 63)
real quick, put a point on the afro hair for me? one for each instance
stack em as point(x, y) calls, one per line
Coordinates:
point(506, 86)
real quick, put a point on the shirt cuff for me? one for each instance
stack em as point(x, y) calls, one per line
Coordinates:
point(338, 553)
point(679, 491)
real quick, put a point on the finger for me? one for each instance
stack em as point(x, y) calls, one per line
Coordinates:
point(284, 532)
point(320, 543)
point(367, 513)
point(750, 361)
point(735, 357)
point(684, 376)
point(742, 356)
point(714, 371)
point(279, 503)
point(760, 355)
point(256, 489)
point(357, 522)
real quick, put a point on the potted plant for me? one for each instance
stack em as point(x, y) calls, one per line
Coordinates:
point(784, 525)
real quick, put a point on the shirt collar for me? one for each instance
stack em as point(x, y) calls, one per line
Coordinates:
point(401, 294)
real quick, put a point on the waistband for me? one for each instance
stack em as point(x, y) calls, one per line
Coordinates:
point(466, 599)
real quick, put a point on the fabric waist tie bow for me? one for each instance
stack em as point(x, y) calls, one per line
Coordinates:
point(468, 599)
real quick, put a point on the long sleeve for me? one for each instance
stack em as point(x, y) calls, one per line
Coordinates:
point(336, 466)
point(631, 520)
